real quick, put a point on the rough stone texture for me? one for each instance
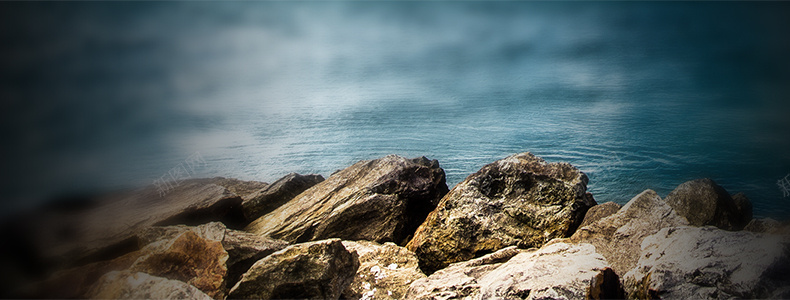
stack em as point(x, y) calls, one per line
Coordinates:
point(619, 237)
point(460, 280)
point(277, 194)
point(188, 258)
point(315, 270)
point(768, 225)
point(708, 263)
point(138, 285)
point(599, 211)
point(68, 239)
point(519, 200)
point(381, 200)
point(385, 271)
point(557, 271)
point(703, 202)
point(242, 188)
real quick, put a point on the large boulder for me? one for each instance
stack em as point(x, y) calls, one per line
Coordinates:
point(314, 270)
point(138, 285)
point(557, 271)
point(710, 263)
point(600, 211)
point(703, 202)
point(618, 237)
point(382, 200)
point(385, 271)
point(188, 258)
point(520, 200)
point(278, 193)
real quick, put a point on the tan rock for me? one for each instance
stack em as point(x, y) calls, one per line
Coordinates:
point(138, 285)
point(385, 271)
point(278, 193)
point(519, 200)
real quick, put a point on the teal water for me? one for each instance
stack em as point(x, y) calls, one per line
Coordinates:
point(637, 95)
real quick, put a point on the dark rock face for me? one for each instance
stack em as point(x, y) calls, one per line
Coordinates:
point(385, 271)
point(707, 262)
point(703, 202)
point(278, 193)
point(382, 200)
point(315, 270)
point(557, 271)
point(598, 212)
point(619, 236)
point(520, 200)
point(138, 285)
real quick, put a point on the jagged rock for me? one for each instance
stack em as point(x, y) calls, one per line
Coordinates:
point(188, 258)
point(619, 237)
point(138, 285)
point(599, 211)
point(703, 202)
point(64, 240)
point(321, 269)
point(710, 263)
point(277, 194)
point(243, 188)
point(460, 280)
point(557, 271)
point(385, 271)
point(520, 200)
point(381, 200)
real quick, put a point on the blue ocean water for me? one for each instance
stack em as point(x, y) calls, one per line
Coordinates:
point(645, 95)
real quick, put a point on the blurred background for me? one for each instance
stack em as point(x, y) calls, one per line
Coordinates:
point(98, 96)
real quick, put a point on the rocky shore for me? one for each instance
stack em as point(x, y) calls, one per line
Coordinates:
point(389, 228)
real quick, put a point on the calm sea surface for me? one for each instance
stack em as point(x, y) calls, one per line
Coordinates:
point(639, 96)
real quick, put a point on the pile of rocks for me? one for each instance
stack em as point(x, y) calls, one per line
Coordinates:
point(520, 228)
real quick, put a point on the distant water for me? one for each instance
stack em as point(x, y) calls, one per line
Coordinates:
point(99, 95)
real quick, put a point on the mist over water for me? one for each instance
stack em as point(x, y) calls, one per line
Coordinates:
point(639, 96)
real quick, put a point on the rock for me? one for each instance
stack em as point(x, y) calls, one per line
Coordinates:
point(703, 202)
point(598, 212)
point(520, 200)
point(277, 194)
point(138, 285)
point(385, 271)
point(382, 200)
point(242, 188)
point(188, 258)
point(321, 269)
point(460, 280)
point(695, 263)
point(768, 225)
point(619, 237)
point(557, 271)
point(64, 240)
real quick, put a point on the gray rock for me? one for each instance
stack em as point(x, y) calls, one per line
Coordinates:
point(768, 225)
point(519, 200)
point(707, 262)
point(557, 271)
point(382, 200)
point(599, 211)
point(619, 237)
point(138, 285)
point(703, 202)
point(385, 271)
point(315, 270)
point(243, 188)
point(278, 193)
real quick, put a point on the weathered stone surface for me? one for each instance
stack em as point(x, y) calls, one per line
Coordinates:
point(557, 271)
point(244, 249)
point(188, 258)
point(520, 200)
point(278, 193)
point(381, 200)
point(710, 263)
point(599, 211)
point(385, 271)
point(768, 225)
point(619, 237)
point(460, 280)
point(703, 202)
point(243, 188)
point(138, 285)
point(75, 238)
point(314, 270)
